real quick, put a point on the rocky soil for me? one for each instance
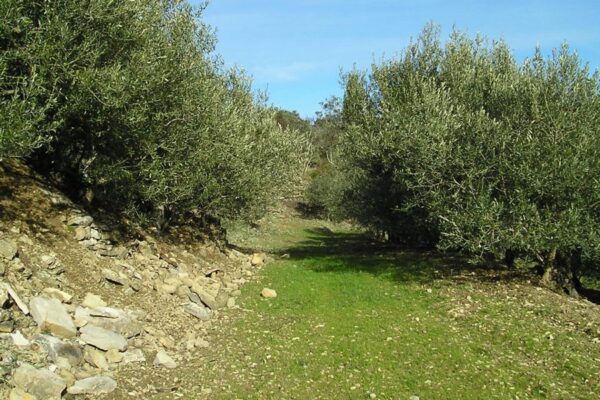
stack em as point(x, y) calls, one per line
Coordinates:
point(94, 308)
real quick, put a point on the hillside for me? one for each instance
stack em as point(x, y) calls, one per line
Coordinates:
point(152, 294)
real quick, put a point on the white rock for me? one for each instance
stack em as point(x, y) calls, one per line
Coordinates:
point(58, 295)
point(41, 383)
point(93, 385)
point(96, 358)
point(81, 220)
point(15, 297)
point(124, 322)
point(106, 312)
point(58, 348)
point(102, 338)
point(51, 316)
point(8, 249)
point(95, 234)
point(19, 340)
point(135, 355)
point(92, 301)
point(48, 259)
point(115, 277)
point(162, 359)
point(257, 260)
point(3, 296)
point(197, 311)
point(268, 293)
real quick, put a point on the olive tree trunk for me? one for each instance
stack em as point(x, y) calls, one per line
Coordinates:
point(561, 272)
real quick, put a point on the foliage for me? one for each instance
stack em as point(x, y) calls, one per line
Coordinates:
point(21, 116)
point(327, 129)
point(133, 106)
point(292, 120)
point(475, 152)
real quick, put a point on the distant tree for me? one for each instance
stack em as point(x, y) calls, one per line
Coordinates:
point(327, 128)
point(292, 120)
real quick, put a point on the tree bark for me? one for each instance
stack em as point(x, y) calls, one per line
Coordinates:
point(560, 272)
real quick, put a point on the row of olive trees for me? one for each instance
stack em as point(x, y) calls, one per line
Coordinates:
point(125, 100)
point(461, 146)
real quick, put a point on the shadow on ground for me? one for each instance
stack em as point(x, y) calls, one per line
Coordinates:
point(356, 252)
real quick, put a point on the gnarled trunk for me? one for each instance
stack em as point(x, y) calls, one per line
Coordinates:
point(560, 272)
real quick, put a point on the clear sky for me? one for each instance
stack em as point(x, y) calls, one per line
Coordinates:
point(295, 48)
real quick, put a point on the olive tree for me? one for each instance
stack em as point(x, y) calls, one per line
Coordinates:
point(483, 154)
point(130, 103)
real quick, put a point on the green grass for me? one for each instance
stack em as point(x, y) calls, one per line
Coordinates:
point(353, 318)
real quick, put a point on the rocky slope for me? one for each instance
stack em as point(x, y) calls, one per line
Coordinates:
point(86, 301)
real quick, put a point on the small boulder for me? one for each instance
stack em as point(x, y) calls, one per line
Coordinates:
point(51, 316)
point(19, 340)
point(221, 300)
point(164, 288)
point(57, 349)
point(15, 297)
point(3, 296)
point(8, 249)
point(94, 385)
point(96, 358)
point(57, 294)
point(198, 311)
point(102, 338)
point(135, 355)
point(183, 292)
point(268, 293)
point(7, 326)
point(206, 297)
point(20, 394)
point(115, 277)
point(41, 383)
point(231, 302)
point(114, 356)
point(124, 322)
point(162, 359)
point(257, 260)
point(92, 301)
point(82, 233)
point(80, 220)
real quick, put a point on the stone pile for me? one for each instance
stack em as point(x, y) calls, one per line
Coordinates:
point(89, 234)
point(55, 342)
point(83, 347)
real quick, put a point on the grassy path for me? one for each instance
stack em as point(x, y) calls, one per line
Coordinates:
point(356, 321)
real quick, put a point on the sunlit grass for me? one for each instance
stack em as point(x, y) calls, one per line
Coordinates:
point(354, 321)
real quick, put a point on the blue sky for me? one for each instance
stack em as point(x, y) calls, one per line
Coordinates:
point(295, 48)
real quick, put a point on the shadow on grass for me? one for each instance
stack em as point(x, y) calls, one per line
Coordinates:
point(356, 252)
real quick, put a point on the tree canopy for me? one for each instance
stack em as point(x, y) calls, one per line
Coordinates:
point(461, 146)
point(128, 100)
